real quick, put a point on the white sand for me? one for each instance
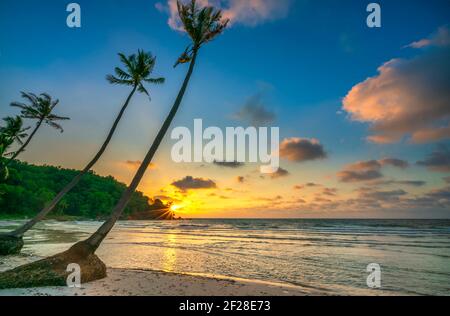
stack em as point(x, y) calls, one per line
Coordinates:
point(150, 283)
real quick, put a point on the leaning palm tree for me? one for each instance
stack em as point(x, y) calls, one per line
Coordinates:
point(40, 108)
point(5, 142)
point(138, 69)
point(202, 25)
point(14, 130)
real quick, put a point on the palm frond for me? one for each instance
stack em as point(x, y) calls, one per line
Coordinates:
point(13, 130)
point(40, 108)
point(201, 24)
point(54, 125)
point(121, 73)
point(114, 80)
point(155, 80)
point(19, 105)
point(31, 97)
point(53, 117)
point(142, 89)
point(139, 67)
point(127, 61)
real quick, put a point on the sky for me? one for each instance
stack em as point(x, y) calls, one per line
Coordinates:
point(363, 112)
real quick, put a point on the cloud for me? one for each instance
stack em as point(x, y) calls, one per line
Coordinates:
point(134, 164)
point(394, 162)
point(301, 149)
point(438, 160)
point(254, 112)
point(431, 134)
point(365, 165)
point(231, 164)
point(357, 176)
point(408, 97)
point(166, 198)
point(368, 170)
point(190, 183)
point(306, 185)
point(244, 12)
point(412, 183)
point(329, 191)
point(442, 195)
point(280, 173)
point(255, 12)
point(439, 38)
point(381, 196)
point(322, 200)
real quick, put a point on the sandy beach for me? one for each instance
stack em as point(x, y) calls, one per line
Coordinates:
point(125, 282)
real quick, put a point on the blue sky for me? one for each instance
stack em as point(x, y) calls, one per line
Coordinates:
point(303, 63)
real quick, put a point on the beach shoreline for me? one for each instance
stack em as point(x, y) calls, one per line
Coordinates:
point(131, 282)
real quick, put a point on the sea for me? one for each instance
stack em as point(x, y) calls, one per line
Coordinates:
point(331, 257)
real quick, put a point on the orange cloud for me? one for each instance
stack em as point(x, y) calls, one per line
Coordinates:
point(440, 38)
point(409, 97)
point(245, 12)
point(134, 164)
point(279, 174)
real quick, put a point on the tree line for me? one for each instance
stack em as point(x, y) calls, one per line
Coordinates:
point(29, 187)
point(202, 24)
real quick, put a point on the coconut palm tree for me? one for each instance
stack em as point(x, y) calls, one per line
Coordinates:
point(5, 142)
point(202, 25)
point(14, 130)
point(40, 108)
point(138, 69)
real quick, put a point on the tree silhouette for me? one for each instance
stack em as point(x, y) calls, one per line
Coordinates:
point(39, 108)
point(202, 25)
point(138, 69)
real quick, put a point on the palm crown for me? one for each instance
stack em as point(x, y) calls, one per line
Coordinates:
point(14, 130)
point(201, 24)
point(138, 70)
point(5, 142)
point(40, 108)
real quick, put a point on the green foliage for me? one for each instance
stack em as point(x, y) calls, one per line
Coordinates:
point(29, 187)
point(13, 129)
point(138, 69)
point(202, 24)
point(40, 107)
point(5, 142)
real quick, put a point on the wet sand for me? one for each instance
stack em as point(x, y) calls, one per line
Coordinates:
point(124, 282)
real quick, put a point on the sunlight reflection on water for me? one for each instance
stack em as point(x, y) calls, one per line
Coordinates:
point(330, 255)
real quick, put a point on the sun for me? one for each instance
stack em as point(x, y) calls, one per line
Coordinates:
point(175, 207)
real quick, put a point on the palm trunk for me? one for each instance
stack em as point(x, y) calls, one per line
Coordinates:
point(95, 240)
point(21, 230)
point(22, 148)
